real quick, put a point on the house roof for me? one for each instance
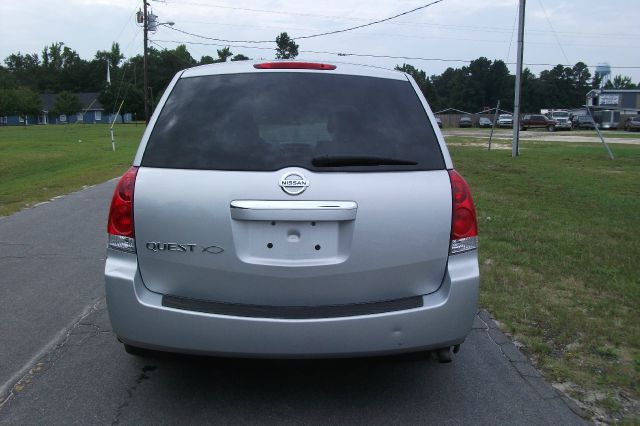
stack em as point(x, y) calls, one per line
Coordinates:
point(88, 100)
point(611, 91)
point(454, 110)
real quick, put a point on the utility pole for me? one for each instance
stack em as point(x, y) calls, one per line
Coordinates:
point(149, 22)
point(515, 144)
point(145, 61)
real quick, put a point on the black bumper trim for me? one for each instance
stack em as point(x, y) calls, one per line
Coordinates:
point(291, 312)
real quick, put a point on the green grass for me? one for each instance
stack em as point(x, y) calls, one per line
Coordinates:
point(559, 253)
point(40, 162)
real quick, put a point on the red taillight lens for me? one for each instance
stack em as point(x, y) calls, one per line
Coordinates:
point(121, 211)
point(294, 66)
point(464, 223)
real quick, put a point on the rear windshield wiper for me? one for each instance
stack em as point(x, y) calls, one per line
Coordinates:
point(346, 160)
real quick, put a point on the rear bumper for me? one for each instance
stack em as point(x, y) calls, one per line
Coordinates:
point(139, 319)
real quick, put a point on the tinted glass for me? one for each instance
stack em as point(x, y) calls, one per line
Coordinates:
point(267, 121)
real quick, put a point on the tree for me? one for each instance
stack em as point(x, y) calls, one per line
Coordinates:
point(286, 47)
point(66, 103)
point(223, 54)
point(581, 83)
point(112, 57)
point(7, 101)
point(28, 101)
point(620, 82)
point(21, 101)
point(240, 57)
point(206, 59)
point(7, 79)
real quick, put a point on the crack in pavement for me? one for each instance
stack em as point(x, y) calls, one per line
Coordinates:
point(47, 357)
point(131, 390)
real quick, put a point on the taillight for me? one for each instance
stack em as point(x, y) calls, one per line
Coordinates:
point(294, 66)
point(464, 226)
point(120, 224)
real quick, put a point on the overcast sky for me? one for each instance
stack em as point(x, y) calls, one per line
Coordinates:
point(556, 31)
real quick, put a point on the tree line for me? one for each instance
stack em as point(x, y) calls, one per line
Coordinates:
point(472, 88)
point(483, 83)
point(59, 69)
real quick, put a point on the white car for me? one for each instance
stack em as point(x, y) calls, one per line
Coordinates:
point(505, 120)
point(292, 209)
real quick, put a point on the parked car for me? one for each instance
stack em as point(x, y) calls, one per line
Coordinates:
point(485, 122)
point(561, 119)
point(246, 226)
point(583, 122)
point(632, 124)
point(465, 121)
point(505, 120)
point(530, 121)
point(439, 122)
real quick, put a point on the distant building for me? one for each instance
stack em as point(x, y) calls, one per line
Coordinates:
point(611, 107)
point(92, 112)
point(626, 101)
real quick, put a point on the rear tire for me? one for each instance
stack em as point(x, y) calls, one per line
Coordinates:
point(551, 128)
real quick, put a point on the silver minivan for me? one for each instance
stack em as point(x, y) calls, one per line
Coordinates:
point(292, 209)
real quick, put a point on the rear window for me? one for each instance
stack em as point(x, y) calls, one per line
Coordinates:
point(267, 121)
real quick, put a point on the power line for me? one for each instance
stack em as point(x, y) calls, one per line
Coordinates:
point(421, 24)
point(413, 36)
point(344, 30)
point(128, 21)
point(365, 55)
point(513, 30)
point(220, 39)
point(553, 30)
point(371, 23)
point(200, 43)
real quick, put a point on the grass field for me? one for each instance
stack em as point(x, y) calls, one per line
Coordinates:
point(40, 162)
point(559, 262)
point(559, 244)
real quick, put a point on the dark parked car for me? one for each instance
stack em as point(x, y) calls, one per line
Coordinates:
point(465, 121)
point(485, 122)
point(583, 122)
point(530, 121)
point(632, 124)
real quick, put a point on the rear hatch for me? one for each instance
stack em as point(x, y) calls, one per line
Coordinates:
point(292, 189)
